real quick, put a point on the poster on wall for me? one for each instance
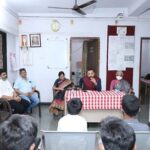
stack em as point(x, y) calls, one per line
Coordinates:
point(27, 57)
point(121, 52)
point(13, 62)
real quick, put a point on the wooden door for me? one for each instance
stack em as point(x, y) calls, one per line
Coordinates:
point(91, 56)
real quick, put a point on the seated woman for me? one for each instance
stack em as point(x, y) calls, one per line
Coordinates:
point(60, 86)
point(119, 84)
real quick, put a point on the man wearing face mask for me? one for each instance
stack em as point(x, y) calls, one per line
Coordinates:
point(119, 84)
point(90, 81)
point(17, 104)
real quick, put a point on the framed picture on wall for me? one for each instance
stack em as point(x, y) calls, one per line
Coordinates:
point(35, 40)
point(24, 40)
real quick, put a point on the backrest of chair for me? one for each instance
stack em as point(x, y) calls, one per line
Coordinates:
point(53, 140)
point(5, 110)
point(143, 140)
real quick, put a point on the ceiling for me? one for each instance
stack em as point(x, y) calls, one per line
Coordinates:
point(134, 8)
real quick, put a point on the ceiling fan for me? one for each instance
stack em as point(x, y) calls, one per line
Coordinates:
point(146, 10)
point(77, 7)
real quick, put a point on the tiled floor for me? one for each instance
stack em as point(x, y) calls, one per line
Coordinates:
point(46, 122)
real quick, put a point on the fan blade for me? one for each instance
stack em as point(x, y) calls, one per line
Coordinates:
point(87, 4)
point(144, 11)
point(58, 7)
point(79, 11)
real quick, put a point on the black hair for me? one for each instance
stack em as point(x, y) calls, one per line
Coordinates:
point(22, 69)
point(18, 133)
point(117, 134)
point(74, 106)
point(61, 73)
point(90, 69)
point(130, 105)
point(2, 71)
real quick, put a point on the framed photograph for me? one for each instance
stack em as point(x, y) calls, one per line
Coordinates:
point(24, 41)
point(35, 40)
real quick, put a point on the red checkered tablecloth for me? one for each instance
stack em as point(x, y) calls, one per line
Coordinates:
point(94, 100)
point(145, 81)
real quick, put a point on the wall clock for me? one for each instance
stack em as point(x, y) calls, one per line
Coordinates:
point(55, 25)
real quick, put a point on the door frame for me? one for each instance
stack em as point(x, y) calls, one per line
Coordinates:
point(4, 50)
point(140, 66)
point(89, 38)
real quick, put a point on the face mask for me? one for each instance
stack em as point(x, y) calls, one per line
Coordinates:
point(118, 77)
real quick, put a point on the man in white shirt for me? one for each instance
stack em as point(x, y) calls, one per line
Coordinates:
point(72, 122)
point(17, 104)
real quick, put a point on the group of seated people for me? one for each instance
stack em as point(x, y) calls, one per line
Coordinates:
point(22, 96)
point(19, 132)
point(88, 82)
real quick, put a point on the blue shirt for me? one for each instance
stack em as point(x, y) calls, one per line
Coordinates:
point(136, 125)
point(24, 85)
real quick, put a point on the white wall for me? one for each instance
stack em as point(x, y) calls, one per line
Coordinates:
point(83, 27)
point(8, 21)
point(11, 47)
point(9, 25)
point(145, 68)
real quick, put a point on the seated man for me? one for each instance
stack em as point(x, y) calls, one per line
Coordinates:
point(26, 89)
point(18, 133)
point(116, 135)
point(119, 84)
point(90, 81)
point(131, 106)
point(17, 104)
point(72, 121)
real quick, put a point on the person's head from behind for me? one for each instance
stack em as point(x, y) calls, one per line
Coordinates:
point(61, 75)
point(130, 105)
point(90, 73)
point(23, 72)
point(3, 75)
point(119, 75)
point(74, 106)
point(18, 133)
point(116, 135)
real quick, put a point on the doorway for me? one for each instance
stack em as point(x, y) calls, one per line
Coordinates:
point(144, 81)
point(3, 52)
point(84, 54)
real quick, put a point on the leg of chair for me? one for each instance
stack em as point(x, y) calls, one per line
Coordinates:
point(39, 105)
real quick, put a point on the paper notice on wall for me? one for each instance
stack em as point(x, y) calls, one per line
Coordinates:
point(121, 52)
point(27, 57)
point(13, 62)
point(115, 61)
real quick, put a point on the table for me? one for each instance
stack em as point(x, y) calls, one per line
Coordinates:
point(97, 105)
